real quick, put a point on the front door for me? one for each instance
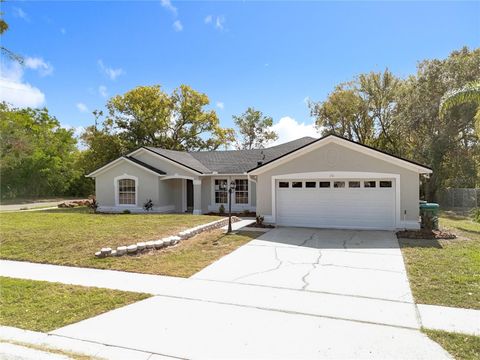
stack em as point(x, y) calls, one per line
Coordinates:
point(189, 196)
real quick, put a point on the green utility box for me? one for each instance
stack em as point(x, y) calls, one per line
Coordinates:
point(429, 214)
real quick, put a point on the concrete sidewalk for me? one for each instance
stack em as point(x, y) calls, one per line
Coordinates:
point(56, 342)
point(376, 311)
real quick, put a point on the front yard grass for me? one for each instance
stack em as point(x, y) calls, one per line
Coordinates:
point(460, 346)
point(72, 236)
point(446, 272)
point(44, 306)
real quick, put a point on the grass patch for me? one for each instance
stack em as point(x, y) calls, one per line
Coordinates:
point(185, 259)
point(72, 236)
point(462, 347)
point(446, 272)
point(44, 306)
point(69, 354)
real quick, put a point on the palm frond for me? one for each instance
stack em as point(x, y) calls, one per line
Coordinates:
point(468, 93)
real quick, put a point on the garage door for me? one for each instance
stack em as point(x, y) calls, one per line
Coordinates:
point(349, 203)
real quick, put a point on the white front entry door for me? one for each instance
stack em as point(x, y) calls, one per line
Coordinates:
point(339, 203)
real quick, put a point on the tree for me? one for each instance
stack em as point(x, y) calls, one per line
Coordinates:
point(3, 50)
point(448, 142)
point(468, 93)
point(254, 129)
point(37, 154)
point(147, 116)
point(363, 110)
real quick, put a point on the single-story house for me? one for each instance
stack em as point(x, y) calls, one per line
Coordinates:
point(329, 182)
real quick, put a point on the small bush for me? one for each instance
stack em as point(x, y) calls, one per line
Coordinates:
point(221, 209)
point(476, 214)
point(148, 206)
point(93, 204)
point(126, 211)
point(259, 219)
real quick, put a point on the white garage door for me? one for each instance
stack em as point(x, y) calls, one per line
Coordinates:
point(350, 203)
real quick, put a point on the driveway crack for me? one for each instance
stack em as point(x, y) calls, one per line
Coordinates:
point(314, 266)
point(280, 263)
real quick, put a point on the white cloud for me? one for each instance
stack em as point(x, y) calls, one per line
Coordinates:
point(82, 107)
point(35, 63)
point(167, 4)
point(110, 72)
point(19, 13)
point(63, 31)
point(220, 105)
point(218, 22)
point(102, 90)
point(177, 26)
point(289, 129)
point(14, 90)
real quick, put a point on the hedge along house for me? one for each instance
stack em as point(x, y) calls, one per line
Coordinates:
point(329, 182)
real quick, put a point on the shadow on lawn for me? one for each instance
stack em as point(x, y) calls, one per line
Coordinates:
point(419, 243)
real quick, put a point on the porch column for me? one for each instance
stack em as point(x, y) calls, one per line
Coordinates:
point(197, 196)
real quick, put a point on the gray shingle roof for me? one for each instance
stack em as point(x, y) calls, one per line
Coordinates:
point(229, 161)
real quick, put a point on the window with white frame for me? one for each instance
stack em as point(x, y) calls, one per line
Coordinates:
point(241, 191)
point(126, 192)
point(221, 191)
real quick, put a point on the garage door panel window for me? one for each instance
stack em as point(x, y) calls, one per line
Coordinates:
point(339, 184)
point(369, 184)
point(310, 184)
point(354, 184)
point(283, 184)
point(324, 184)
point(385, 184)
point(221, 191)
point(241, 191)
point(297, 184)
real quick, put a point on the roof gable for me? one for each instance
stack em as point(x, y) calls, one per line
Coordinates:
point(131, 160)
point(411, 165)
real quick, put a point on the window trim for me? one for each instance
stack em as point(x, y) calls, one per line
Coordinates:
point(116, 181)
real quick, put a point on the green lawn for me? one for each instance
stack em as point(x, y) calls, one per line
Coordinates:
point(71, 237)
point(460, 346)
point(446, 272)
point(44, 306)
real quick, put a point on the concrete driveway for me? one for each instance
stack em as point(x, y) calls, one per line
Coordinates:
point(347, 262)
point(292, 293)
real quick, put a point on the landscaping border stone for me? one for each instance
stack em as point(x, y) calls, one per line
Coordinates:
point(151, 245)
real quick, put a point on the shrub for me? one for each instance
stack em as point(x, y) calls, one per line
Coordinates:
point(259, 219)
point(126, 211)
point(476, 214)
point(221, 209)
point(148, 206)
point(93, 204)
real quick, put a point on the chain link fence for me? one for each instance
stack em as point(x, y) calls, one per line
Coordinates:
point(462, 199)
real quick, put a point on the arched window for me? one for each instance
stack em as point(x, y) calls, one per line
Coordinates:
point(127, 192)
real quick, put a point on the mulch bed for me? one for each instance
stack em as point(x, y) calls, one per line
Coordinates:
point(422, 234)
point(261, 226)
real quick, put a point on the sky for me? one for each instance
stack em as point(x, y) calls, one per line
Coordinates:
point(274, 56)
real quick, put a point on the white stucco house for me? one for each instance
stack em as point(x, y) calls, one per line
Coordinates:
point(329, 182)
